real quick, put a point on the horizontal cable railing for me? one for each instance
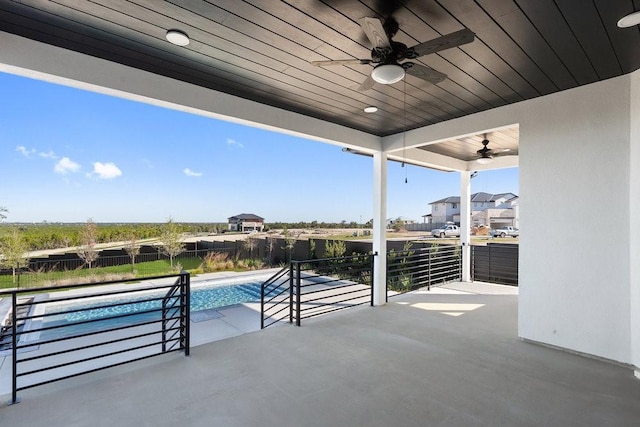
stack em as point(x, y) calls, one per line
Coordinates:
point(325, 285)
point(275, 298)
point(425, 267)
point(90, 329)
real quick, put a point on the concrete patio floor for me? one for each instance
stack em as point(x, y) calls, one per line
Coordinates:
point(448, 357)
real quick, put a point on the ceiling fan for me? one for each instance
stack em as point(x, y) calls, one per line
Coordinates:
point(486, 154)
point(387, 54)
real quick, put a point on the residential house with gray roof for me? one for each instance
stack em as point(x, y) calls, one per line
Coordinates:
point(493, 210)
point(246, 222)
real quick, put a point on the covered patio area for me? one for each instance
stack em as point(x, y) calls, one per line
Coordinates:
point(463, 365)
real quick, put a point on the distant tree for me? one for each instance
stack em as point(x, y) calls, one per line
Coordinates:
point(13, 248)
point(132, 248)
point(250, 244)
point(170, 237)
point(271, 245)
point(398, 224)
point(87, 250)
point(3, 211)
point(289, 243)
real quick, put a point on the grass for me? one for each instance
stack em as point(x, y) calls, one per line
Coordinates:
point(99, 274)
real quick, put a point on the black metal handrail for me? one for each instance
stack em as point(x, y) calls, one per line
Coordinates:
point(423, 267)
point(275, 298)
point(68, 350)
point(309, 288)
point(330, 284)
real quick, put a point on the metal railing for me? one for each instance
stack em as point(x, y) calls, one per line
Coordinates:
point(310, 288)
point(275, 298)
point(64, 336)
point(416, 268)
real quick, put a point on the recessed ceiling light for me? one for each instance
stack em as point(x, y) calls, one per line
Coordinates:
point(630, 20)
point(178, 37)
point(371, 109)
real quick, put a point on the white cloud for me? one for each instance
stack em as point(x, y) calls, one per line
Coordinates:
point(233, 143)
point(48, 155)
point(189, 172)
point(66, 165)
point(25, 151)
point(106, 170)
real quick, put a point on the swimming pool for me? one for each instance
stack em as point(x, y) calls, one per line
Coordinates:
point(206, 295)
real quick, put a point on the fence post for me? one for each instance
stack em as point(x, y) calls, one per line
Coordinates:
point(298, 296)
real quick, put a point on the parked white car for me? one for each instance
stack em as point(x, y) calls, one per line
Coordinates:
point(449, 230)
point(505, 231)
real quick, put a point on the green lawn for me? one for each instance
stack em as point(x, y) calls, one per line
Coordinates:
point(85, 275)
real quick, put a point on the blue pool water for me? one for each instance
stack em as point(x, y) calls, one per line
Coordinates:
point(205, 298)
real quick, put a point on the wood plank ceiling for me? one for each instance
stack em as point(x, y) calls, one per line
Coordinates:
point(260, 49)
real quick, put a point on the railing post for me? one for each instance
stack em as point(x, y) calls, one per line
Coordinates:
point(290, 292)
point(298, 296)
point(14, 347)
point(185, 308)
point(164, 325)
point(262, 305)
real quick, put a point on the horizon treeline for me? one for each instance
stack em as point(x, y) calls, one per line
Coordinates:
point(40, 236)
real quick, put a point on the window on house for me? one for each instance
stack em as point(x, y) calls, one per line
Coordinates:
point(435, 207)
point(454, 205)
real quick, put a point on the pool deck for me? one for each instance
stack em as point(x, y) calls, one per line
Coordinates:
point(446, 357)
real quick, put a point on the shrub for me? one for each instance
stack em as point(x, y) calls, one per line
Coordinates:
point(216, 261)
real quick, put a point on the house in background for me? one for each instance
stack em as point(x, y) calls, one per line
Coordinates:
point(492, 210)
point(402, 221)
point(246, 222)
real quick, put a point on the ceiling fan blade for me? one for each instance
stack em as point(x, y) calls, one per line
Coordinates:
point(424, 73)
point(374, 30)
point(441, 43)
point(340, 62)
point(367, 84)
point(505, 153)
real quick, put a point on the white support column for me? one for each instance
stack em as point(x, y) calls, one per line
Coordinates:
point(465, 224)
point(380, 227)
point(634, 226)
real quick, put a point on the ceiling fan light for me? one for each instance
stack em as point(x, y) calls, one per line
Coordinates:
point(484, 160)
point(629, 20)
point(387, 74)
point(177, 37)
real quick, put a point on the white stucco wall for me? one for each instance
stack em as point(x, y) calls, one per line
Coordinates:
point(574, 279)
point(634, 224)
point(574, 160)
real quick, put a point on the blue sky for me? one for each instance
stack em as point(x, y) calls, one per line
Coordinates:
point(67, 155)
